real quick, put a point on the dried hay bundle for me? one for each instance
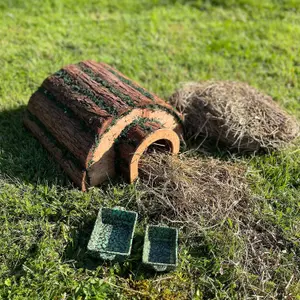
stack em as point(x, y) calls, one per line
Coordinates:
point(192, 192)
point(234, 114)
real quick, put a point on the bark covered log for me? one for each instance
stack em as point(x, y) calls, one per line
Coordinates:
point(85, 108)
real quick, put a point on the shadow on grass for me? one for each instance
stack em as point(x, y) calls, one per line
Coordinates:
point(76, 254)
point(22, 157)
point(18, 270)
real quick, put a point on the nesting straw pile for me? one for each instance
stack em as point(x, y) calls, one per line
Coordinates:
point(235, 114)
point(191, 192)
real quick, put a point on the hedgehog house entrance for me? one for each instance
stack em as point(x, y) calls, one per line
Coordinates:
point(159, 146)
point(140, 141)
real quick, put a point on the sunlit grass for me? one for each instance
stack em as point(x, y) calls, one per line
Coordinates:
point(45, 221)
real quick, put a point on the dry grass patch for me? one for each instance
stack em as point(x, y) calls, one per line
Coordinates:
point(235, 114)
point(192, 192)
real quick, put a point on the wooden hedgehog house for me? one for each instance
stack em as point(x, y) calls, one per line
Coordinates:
point(97, 123)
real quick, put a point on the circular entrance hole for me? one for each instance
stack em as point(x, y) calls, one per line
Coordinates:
point(158, 146)
point(140, 142)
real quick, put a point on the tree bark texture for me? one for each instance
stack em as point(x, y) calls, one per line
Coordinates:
point(85, 109)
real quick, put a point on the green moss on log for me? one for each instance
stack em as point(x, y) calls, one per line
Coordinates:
point(127, 99)
point(77, 86)
point(130, 83)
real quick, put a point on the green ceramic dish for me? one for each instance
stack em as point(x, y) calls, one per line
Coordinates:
point(112, 235)
point(160, 247)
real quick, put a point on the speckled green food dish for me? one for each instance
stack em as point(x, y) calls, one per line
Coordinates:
point(112, 235)
point(160, 248)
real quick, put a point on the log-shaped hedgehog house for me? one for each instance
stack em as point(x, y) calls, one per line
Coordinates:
point(97, 123)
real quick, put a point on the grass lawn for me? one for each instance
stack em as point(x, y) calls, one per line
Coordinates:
point(45, 222)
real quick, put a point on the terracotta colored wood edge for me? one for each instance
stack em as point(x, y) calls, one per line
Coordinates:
point(135, 142)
